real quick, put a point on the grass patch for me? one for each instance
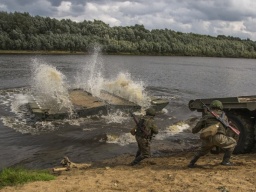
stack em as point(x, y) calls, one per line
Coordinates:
point(18, 175)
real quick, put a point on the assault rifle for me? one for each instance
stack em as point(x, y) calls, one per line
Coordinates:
point(141, 126)
point(225, 123)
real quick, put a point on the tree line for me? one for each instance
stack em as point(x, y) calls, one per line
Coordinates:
point(21, 31)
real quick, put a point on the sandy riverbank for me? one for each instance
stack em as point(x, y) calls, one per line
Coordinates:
point(155, 174)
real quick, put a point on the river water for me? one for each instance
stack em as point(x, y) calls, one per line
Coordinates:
point(42, 144)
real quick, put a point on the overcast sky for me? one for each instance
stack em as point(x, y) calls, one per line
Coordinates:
point(210, 17)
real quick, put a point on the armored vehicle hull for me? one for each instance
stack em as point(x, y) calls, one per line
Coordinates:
point(241, 111)
point(84, 104)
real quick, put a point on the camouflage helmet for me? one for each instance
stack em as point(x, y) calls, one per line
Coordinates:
point(216, 104)
point(151, 112)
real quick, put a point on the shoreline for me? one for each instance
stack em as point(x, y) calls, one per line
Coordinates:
point(167, 173)
point(26, 52)
point(14, 52)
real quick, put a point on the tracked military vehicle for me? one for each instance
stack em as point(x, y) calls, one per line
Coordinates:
point(241, 111)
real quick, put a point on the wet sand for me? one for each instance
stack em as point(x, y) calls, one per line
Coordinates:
point(169, 173)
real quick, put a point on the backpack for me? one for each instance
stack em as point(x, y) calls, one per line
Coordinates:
point(143, 129)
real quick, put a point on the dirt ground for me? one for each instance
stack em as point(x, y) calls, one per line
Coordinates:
point(168, 173)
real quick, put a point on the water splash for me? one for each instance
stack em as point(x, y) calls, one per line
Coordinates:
point(124, 86)
point(14, 101)
point(50, 88)
point(18, 101)
point(127, 138)
point(91, 78)
point(115, 117)
point(122, 140)
point(172, 130)
point(23, 127)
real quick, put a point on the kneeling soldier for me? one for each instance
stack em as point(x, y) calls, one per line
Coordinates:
point(219, 139)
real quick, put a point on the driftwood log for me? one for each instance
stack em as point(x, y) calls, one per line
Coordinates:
point(67, 165)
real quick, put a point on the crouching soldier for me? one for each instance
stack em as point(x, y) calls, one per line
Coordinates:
point(219, 138)
point(144, 130)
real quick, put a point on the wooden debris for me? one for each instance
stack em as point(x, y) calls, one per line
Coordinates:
point(68, 165)
point(60, 169)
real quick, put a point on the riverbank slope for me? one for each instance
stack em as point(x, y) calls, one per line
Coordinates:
point(156, 174)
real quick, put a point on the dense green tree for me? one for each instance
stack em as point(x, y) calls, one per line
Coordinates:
point(21, 31)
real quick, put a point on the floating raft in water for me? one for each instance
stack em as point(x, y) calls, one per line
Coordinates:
point(87, 105)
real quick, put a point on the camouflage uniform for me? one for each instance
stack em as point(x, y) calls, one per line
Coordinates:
point(143, 137)
point(219, 140)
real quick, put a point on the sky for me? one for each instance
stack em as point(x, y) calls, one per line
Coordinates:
point(235, 18)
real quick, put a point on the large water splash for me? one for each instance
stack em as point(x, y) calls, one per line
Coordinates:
point(50, 88)
point(124, 86)
point(168, 132)
point(90, 78)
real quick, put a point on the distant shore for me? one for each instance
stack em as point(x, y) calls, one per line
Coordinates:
point(28, 52)
point(25, 52)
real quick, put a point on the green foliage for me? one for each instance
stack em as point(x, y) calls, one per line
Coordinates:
point(18, 175)
point(21, 31)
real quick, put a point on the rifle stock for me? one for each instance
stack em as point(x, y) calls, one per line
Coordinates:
point(220, 119)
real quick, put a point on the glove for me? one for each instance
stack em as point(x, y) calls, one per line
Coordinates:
point(133, 131)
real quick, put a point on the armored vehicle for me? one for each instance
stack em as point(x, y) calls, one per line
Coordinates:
point(241, 111)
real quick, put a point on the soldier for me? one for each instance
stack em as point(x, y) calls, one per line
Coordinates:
point(143, 132)
point(220, 139)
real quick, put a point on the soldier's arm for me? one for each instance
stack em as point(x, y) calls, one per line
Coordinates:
point(153, 127)
point(200, 125)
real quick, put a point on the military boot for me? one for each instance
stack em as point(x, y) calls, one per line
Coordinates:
point(137, 160)
point(137, 154)
point(193, 161)
point(226, 158)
